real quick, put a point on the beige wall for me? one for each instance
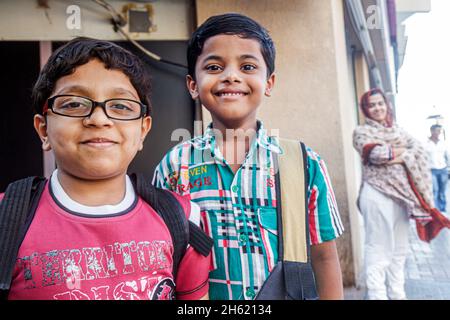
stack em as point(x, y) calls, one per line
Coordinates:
point(312, 99)
point(24, 20)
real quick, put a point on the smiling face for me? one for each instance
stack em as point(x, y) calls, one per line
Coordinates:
point(376, 108)
point(93, 147)
point(231, 79)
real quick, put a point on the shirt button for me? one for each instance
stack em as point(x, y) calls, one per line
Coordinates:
point(243, 238)
point(250, 293)
point(235, 188)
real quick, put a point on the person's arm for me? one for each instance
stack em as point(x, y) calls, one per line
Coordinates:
point(192, 281)
point(409, 152)
point(398, 151)
point(374, 151)
point(166, 172)
point(396, 161)
point(447, 158)
point(160, 179)
point(325, 226)
point(327, 271)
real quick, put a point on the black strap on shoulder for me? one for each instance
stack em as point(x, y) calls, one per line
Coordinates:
point(17, 209)
point(170, 211)
point(174, 217)
point(199, 240)
point(182, 231)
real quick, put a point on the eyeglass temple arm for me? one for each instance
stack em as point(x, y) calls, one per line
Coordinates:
point(45, 108)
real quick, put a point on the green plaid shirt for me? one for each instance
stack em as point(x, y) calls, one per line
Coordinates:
point(239, 210)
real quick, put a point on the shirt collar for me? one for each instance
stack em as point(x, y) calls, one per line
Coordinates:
point(262, 139)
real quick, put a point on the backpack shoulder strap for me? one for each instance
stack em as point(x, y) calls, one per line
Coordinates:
point(174, 217)
point(17, 209)
point(182, 231)
point(293, 186)
point(170, 211)
point(199, 240)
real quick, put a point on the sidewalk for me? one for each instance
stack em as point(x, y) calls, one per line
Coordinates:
point(427, 270)
point(428, 267)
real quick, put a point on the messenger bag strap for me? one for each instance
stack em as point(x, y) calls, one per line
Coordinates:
point(293, 199)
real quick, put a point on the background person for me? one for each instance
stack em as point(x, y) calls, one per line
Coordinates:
point(439, 160)
point(396, 185)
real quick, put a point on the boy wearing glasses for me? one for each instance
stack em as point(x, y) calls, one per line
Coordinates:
point(92, 236)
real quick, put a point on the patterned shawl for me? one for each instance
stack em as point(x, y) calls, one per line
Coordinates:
point(409, 183)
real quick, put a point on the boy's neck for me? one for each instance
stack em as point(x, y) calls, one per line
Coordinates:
point(235, 141)
point(228, 127)
point(109, 191)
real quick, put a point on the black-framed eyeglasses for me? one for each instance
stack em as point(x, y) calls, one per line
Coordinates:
point(80, 107)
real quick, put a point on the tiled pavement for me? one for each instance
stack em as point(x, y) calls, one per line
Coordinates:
point(428, 267)
point(427, 270)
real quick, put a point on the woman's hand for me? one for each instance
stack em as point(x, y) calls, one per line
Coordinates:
point(398, 151)
point(398, 160)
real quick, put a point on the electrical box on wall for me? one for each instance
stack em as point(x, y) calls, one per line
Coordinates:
point(140, 18)
point(62, 20)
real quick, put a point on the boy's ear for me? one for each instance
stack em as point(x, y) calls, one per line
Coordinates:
point(192, 87)
point(269, 85)
point(40, 125)
point(145, 128)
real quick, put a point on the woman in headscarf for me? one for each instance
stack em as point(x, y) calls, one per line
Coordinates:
point(396, 185)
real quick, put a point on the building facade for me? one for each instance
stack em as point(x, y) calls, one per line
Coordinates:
point(328, 53)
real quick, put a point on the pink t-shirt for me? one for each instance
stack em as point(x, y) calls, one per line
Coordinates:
point(126, 256)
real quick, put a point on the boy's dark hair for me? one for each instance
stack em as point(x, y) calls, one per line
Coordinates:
point(80, 51)
point(230, 24)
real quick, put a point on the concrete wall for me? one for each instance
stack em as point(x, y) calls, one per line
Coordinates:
point(413, 6)
point(25, 20)
point(313, 98)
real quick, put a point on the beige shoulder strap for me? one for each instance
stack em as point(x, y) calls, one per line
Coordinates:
point(293, 208)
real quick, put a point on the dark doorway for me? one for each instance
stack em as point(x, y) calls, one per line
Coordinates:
point(20, 147)
point(173, 107)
